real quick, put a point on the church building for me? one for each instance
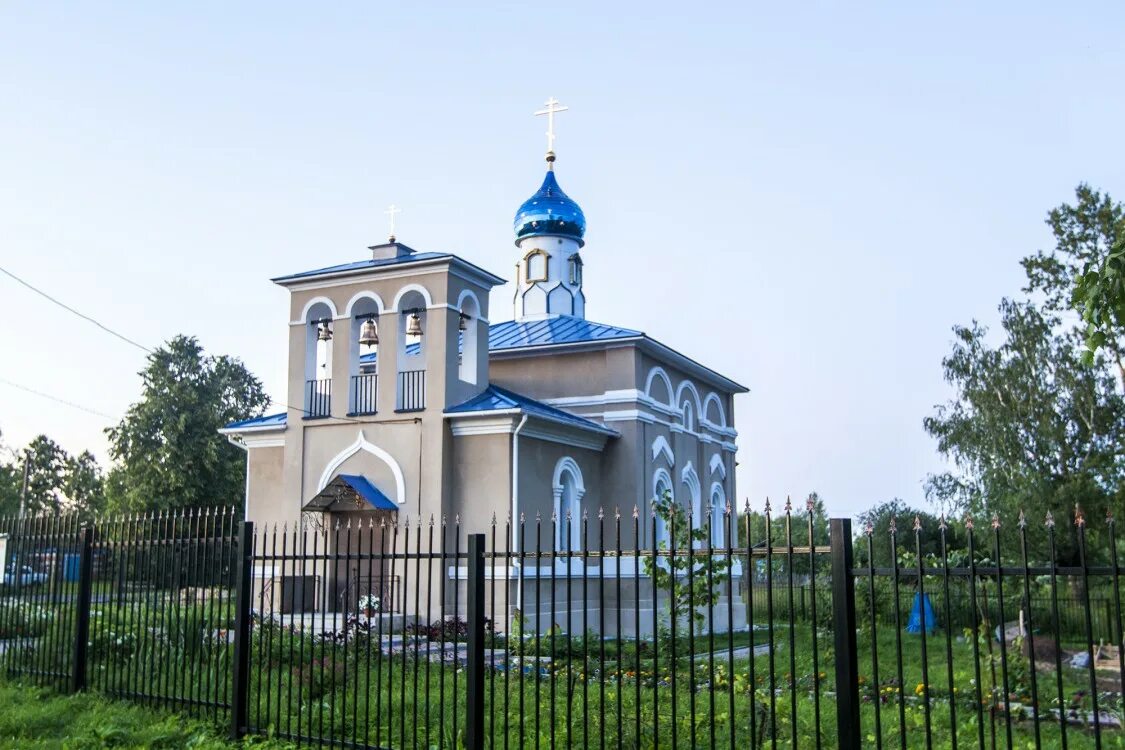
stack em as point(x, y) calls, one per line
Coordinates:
point(408, 401)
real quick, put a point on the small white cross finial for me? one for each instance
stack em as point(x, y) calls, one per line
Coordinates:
point(392, 211)
point(550, 108)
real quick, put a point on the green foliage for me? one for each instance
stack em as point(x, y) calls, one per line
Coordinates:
point(57, 481)
point(879, 519)
point(168, 447)
point(1085, 269)
point(1030, 426)
point(686, 595)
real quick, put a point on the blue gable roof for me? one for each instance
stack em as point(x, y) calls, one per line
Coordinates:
point(274, 421)
point(495, 398)
point(369, 492)
point(562, 329)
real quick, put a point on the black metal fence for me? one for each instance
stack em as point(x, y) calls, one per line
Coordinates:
point(370, 631)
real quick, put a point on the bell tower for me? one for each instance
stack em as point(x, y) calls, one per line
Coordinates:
point(550, 230)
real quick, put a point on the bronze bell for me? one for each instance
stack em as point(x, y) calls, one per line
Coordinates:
point(323, 332)
point(369, 333)
point(414, 325)
point(463, 323)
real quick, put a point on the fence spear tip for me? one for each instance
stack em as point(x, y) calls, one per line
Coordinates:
point(809, 504)
point(1049, 520)
point(601, 513)
point(788, 505)
point(892, 527)
point(1079, 516)
point(995, 520)
point(1109, 516)
point(968, 522)
point(942, 525)
point(1022, 523)
point(869, 528)
point(918, 523)
point(616, 513)
point(636, 511)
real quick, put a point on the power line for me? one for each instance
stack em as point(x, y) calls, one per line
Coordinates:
point(56, 399)
point(70, 309)
point(114, 333)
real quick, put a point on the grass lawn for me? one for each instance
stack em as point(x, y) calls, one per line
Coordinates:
point(31, 717)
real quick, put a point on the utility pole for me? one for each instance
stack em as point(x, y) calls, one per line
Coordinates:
point(26, 477)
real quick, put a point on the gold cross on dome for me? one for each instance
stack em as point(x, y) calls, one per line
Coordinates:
point(391, 212)
point(552, 106)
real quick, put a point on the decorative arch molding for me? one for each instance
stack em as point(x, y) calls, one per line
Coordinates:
point(718, 466)
point(363, 295)
point(312, 303)
point(661, 446)
point(691, 480)
point(706, 413)
point(423, 291)
point(687, 385)
point(468, 294)
point(567, 464)
point(662, 474)
point(653, 374)
point(362, 444)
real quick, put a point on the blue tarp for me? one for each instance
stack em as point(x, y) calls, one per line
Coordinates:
point(922, 604)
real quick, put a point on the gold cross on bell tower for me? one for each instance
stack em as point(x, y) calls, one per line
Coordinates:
point(552, 106)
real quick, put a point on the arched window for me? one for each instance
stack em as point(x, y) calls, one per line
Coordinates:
point(661, 489)
point(411, 345)
point(318, 358)
point(688, 416)
point(568, 490)
point(535, 266)
point(574, 270)
point(691, 481)
point(363, 344)
point(468, 325)
point(718, 516)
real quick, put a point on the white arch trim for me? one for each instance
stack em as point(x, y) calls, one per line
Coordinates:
point(362, 444)
point(412, 288)
point(314, 301)
point(661, 446)
point(717, 489)
point(711, 397)
point(687, 385)
point(468, 294)
point(658, 372)
point(662, 474)
point(567, 464)
point(363, 295)
point(717, 465)
point(691, 479)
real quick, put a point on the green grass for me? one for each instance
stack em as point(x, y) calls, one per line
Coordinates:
point(305, 685)
point(34, 718)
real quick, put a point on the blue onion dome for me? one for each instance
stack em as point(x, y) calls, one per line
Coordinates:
point(550, 213)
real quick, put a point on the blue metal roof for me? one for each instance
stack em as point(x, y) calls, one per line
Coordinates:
point(369, 492)
point(364, 264)
point(495, 398)
point(562, 329)
point(269, 420)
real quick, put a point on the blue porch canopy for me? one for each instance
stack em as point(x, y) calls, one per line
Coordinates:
point(349, 492)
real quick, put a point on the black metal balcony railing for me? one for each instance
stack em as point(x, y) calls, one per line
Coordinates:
point(364, 392)
point(318, 397)
point(412, 390)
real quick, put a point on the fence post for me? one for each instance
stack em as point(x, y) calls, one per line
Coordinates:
point(82, 609)
point(843, 632)
point(474, 703)
point(240, 694)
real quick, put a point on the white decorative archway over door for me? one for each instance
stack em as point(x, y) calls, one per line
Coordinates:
point(363, 444)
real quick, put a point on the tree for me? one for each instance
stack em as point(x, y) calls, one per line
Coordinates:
point(1031, 426)
point(1085, 270)
point(46, 476)
point(167, 446)
point(669, 573)
point(879, 519)
point(84, 482)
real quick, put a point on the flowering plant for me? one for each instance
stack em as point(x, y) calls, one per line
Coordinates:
point(369, 603)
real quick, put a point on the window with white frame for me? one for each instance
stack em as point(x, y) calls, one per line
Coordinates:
point(718, 515)
point(661, 490)
point(688, 417)
point(568, 491)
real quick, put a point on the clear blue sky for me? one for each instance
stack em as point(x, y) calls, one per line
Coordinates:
point(806, 196)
